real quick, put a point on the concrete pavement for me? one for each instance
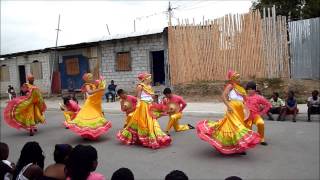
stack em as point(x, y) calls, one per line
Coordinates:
point(292, 153)
point(192, 109)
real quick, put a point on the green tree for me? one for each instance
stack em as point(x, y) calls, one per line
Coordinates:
point(295, 9)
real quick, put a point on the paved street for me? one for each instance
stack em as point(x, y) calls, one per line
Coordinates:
point(293, 151)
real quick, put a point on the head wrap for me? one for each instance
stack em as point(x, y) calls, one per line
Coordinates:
point(233, 75)
point(144, 75)
point(87, 77)
point(30, 77)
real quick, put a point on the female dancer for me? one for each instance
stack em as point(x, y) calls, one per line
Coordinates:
point(142, 128)
point(70, 109)
point(230, 135)
point(26, 111)
point(90, 123)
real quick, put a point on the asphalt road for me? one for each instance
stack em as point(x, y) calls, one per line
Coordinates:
point(292, 153)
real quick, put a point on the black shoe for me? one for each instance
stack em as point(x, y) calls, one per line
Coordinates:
point(190, 126)
point(309, 120)
point(294, 120)
point(31, 133)
point(243, 153)
point(264, 143)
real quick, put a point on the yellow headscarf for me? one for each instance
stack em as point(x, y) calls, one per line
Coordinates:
point(232, 77)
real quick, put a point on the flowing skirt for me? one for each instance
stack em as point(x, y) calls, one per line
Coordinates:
point(230, 134)
point(68, 117)
point(143, 129)
point(25, 111)
point(90, 123)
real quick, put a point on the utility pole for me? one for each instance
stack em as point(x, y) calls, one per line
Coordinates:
point(169, 14)
point(55, 56)
point(108, 29)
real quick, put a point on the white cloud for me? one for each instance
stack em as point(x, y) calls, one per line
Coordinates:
point(27, 25)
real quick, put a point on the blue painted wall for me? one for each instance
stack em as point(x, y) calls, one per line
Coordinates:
point(76, 80)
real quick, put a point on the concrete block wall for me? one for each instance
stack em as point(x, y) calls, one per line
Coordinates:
point(13, 63)
point(13, 76)
point(139, 48)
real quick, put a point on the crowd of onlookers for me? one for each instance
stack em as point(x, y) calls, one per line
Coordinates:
point(289, 106)
point(71, 163)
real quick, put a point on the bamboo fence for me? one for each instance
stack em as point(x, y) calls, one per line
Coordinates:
point(247, 43)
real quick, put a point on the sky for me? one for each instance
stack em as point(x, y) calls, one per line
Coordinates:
point(29, 25)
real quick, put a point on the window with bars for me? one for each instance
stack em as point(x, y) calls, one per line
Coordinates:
point(36, 69)
point(4, 73)
point(123, 61)
point(72, 66)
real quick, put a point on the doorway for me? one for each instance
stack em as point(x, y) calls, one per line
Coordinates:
point(22, 74)
point(157, 67)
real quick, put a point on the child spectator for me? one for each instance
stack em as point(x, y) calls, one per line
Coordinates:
point(56, 171)
point(30, 163)
point(290, 107)
point(122, 174)
point(176, 175)
point(313, 104)
point(11, 92)
point(6, 167)
point(277, 103)
point(81, 164)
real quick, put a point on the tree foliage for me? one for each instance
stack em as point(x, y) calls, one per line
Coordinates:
point(293, 9)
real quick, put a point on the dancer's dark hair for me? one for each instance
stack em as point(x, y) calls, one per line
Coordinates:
point(167, 91)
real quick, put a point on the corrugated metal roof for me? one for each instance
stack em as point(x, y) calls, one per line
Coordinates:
point(87, 44)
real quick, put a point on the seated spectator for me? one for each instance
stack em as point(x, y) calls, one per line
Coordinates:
point(277, 103)
point(313, 104)
point(30, 163)
point(289, 108)
point(111, 91)
point(11, 92)
point(56, 171)
point(233, 178)
point(81, 164)
point(176, 175)
point(122, 174)
point(6, 167)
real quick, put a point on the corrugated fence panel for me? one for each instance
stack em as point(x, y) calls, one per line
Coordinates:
point(305, 48)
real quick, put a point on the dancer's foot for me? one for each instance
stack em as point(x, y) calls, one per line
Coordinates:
point(264, 143)
point(243, 153)
point(67, 127)
point(309, 120)
point(167, 132)
point(294, 120)
point(190, 126)
point(35, 130)
point(31, 132)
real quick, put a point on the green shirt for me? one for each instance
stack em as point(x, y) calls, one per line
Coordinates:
point(277, 103)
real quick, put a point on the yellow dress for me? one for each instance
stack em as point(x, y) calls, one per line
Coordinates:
point(230, 134)
point(142, 128)
point(26, 111)
point(90, 122)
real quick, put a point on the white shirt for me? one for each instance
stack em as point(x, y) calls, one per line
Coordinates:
point(146, 97)
point(233, 95)
point(314, 103)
